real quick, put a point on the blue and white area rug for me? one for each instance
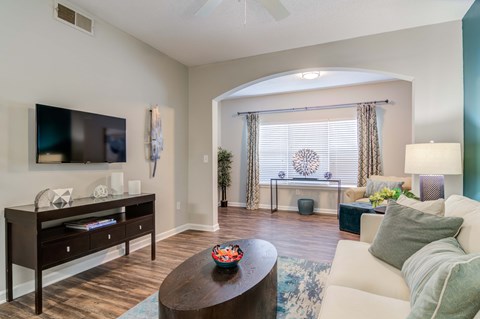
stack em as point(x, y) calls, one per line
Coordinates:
point(300, 291)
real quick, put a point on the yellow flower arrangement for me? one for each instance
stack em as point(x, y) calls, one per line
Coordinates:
point(387, 193)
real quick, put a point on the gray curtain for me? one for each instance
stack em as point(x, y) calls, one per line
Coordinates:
point(253, 175)
point(369, 158)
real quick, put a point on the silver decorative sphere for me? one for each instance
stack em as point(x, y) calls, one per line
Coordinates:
point(306, 161)
point(281, 174)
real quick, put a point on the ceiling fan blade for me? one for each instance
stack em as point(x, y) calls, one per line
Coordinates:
point(208, 8)
point(276, 9)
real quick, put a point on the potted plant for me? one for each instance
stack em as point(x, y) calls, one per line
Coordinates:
point(224, 168)
point(387, 193)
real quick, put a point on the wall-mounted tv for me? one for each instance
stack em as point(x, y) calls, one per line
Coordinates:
point(69, 136)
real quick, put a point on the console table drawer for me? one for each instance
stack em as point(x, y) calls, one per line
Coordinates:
point(145, 225)
point(106, 238)
point(57, 251)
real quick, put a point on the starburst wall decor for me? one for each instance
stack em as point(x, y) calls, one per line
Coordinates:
point(306, 162)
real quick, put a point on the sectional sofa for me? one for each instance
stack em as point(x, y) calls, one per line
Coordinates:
point(360, 286)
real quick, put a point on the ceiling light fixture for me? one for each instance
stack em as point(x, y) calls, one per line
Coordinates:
point(311, 75)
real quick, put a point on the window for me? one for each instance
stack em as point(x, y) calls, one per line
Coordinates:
point(334, 141)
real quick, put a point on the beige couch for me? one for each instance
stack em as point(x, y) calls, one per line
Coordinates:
point(357, 194)
point(361, 286)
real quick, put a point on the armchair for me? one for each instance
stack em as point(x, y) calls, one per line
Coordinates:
point(357, 194)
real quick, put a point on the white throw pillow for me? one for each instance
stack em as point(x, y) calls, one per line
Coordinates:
point(434, 207)
point(459, 206)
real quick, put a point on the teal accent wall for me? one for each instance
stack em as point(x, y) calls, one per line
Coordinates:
point(471, 75)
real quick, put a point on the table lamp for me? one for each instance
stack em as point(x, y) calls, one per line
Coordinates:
point(432, 161)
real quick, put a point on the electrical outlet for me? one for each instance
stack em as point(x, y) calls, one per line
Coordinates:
point(205, 158)
point(298, 192)
point(178, 205)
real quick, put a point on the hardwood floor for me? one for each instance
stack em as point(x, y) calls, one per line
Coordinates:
point(107, 291)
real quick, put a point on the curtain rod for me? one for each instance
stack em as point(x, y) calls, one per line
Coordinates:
point(313, 108)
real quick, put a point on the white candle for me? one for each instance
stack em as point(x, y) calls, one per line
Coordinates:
point(116, 182)
point(134, 187)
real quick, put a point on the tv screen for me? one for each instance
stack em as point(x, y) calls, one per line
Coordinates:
point(68, 136)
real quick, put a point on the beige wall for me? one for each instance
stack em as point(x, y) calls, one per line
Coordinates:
point(431, 56)
point(394, 121)
point(45, 61)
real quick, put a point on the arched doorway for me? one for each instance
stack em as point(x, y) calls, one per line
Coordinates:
point(218, 101)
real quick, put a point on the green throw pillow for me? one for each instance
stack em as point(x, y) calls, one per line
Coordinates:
point(374, 186)
point(453, 292)
point(421, 266)
point(405, 230)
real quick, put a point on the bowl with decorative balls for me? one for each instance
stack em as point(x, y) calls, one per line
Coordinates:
point(227, 256)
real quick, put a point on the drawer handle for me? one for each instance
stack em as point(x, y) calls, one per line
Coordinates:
point(68, 249)
point(140, 227)
point(109, 236)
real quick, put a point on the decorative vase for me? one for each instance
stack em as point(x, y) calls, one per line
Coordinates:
point(116, 183)
point(224, 201)
point(134, 187)
point(305, 206)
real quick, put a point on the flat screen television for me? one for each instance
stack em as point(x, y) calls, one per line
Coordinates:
point(69, 136)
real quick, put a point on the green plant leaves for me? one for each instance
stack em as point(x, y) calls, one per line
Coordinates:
point(225, 161)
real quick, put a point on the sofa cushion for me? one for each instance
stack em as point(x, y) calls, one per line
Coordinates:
point(354, 267)
point(452, 292)
point(374, 186)
point(459, 206)
point(405, 230)
point(421, 266)
point(435, 207)
point(344, 303)
point(469, 235)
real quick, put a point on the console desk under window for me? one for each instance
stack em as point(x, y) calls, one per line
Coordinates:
point(274, 183)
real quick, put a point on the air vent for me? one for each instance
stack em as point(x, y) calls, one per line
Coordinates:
point(73, 18)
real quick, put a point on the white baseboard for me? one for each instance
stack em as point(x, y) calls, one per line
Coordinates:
point(200, 227)
point(82, 264)
point(236, 204)
point(321, 211)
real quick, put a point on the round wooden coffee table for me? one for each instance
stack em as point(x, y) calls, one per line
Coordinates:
point(197, 288)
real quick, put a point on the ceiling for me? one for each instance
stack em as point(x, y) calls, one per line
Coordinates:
point(295, 83)
point(171, 26)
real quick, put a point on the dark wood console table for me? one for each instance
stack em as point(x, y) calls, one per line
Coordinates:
point(30, 243)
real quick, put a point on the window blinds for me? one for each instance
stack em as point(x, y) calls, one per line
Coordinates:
point(334, 141)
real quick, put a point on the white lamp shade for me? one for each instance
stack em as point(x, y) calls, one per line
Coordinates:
point(433, 159)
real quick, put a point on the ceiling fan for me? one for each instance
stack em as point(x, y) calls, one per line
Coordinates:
point(274, 7)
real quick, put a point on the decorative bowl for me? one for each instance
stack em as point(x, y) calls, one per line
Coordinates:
point(227, 256)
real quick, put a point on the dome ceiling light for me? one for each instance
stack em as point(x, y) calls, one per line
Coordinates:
point(311, 75)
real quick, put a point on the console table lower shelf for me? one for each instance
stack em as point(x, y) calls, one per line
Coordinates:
point(29, 243)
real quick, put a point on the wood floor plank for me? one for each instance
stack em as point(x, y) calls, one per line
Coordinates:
point(110, 289)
